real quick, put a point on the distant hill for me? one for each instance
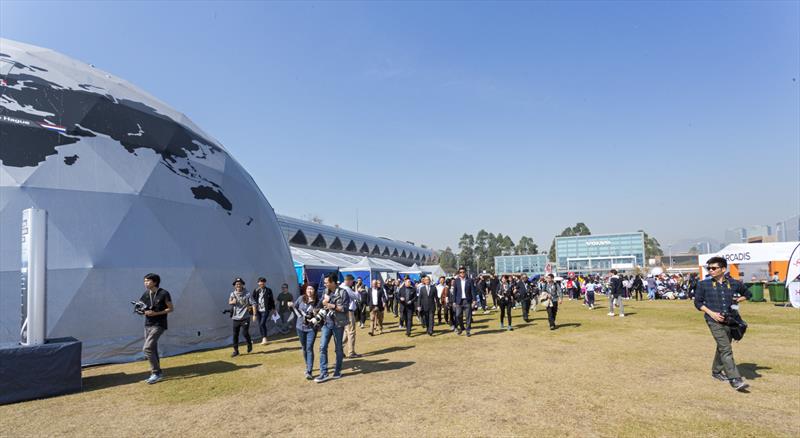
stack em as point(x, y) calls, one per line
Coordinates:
point(683, 246)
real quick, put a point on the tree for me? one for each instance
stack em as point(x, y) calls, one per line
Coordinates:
point(526, 246)
point(506, 245)
point(448, 261)
point(580, 229)
point(651, 247)
point(693, 250)
point(466, 251)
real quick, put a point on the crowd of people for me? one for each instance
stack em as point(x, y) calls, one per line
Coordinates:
point(341, 307)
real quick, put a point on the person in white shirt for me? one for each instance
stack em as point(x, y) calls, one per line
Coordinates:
point(377, 302)
point(350, 328)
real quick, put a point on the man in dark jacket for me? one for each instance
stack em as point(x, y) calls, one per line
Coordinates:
point(406, 296)
point(464, 296)
point(719, 297)
point(524, 296)
point(265, 307)
point(615, 294)
point(376, 300)
point(426, 304)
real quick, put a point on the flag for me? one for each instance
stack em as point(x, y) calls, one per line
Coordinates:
point(52, 126)
point(792, 280)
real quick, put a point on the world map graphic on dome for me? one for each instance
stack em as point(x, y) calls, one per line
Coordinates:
point(38, 115)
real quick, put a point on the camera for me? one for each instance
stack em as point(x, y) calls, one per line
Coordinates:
point(228, 311)
point(139, 307)
point(318, 318)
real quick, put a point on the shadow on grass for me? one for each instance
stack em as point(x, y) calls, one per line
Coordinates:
point(280, 350)
point(103, 381)
point(750, 371)
point(488, 332)
point(569, 324)
point(362, 366)
point(389, 350)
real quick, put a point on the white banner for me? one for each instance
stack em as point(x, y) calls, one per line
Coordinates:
point(752, 252)
point(792, 280)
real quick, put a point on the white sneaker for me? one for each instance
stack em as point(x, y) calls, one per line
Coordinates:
point(621, 315)
point(610, 313)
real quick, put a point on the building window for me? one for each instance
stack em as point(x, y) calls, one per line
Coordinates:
point(319, 242)
point(299, 238)
point(364, 248)
point(351, 247)
point(337, 244)
point(376, 250)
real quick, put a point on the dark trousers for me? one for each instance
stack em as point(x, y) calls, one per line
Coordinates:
point(263, 317)
point(439, 310)
point(461, 310)
point(526, 308)
point(590, 298)
point(505, 311)
point(427, 320)
point(396, 307)
point(408, 317)
point(361, 313)
point(495, 299)
point(244, 324)
point(551, 314)
point(390, 305)
point(638, 294)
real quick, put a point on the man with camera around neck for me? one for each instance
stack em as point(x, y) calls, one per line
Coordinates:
point(158, 304)
point(336, 302)
point(719, 297)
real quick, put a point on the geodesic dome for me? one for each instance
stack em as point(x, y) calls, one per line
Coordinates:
point(131, 186)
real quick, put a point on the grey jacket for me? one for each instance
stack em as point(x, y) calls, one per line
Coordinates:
point(341, 298)
point(554, 290)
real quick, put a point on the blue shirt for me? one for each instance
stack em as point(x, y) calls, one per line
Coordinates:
point(718, 296)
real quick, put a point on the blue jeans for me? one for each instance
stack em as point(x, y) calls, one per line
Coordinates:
point(651, 293)
point(263, 317)
point(307, 342)
point(338, 338)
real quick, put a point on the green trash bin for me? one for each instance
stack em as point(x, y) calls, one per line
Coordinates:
point(777, 293)
point(756, 291)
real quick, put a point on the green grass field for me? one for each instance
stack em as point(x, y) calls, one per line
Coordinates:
point(645, 375)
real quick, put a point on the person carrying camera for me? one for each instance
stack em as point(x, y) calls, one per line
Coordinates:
point(719, 297)
point(158, 303)
point(336, 302)
point(243, 306)
point(553, 296)
point(306, 304)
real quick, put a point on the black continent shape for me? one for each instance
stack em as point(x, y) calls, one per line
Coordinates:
point(82, 113)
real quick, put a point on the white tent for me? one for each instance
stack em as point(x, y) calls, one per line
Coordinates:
point(367, 269)
point(435, 271)
point(130, 186)
point(745, 253)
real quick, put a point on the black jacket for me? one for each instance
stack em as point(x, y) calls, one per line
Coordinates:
point(470, 291)
point(615, 284)
point(409, 294)
point(269, 302)
point(427, 298)
point(381, 303)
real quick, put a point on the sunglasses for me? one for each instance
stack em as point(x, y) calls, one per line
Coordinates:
point(713, 268)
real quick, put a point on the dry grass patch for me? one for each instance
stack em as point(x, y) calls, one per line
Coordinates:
point(645, 375)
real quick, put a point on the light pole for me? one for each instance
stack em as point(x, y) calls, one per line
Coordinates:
point(670, 257)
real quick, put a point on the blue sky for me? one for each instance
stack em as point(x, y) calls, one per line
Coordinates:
point(434, 119)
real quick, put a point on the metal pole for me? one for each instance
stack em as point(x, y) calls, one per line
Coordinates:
point(670, 257)
point(33, 273)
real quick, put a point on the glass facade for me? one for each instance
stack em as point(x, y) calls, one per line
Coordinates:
point(517, 264)
point(600, 253)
